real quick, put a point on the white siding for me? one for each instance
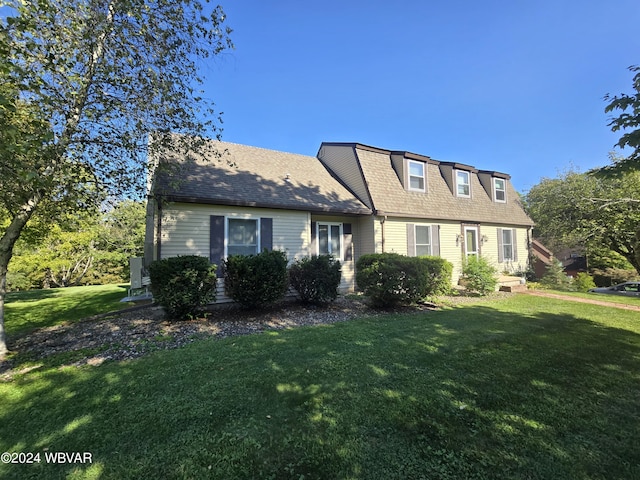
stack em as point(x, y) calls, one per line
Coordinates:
point(451, 247)
point(186, 228)
point(343, 162)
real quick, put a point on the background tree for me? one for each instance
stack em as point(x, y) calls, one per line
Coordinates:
point(83, 82)
point(629, 120)
point(591, 211)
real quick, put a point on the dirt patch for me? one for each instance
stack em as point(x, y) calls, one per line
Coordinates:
point(593, 301)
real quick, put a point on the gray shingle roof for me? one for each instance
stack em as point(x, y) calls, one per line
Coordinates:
point(390, 197)
point(251, 176)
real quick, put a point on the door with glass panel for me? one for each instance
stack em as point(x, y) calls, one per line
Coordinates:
point(471, 241)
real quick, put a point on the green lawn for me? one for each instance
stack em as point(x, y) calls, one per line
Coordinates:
point(523, 387)
point(29, 310)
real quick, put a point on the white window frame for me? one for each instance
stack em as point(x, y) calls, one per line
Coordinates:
point(459, 184)
point(423, 177)
point(227, 230)
point(339, 254)
point(429, 238)
point(475, 252)
point(503, 190)
point(505, 257)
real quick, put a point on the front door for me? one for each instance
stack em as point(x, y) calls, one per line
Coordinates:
point(471, 241)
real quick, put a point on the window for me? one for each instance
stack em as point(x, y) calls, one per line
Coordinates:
point(329, 239)
point(507, 244)
point(423, 240)
point(416, 176)
point(471, 241)
point(499, 190)
point(463, 187)
point(242, 237)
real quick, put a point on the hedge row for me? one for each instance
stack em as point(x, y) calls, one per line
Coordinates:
point(185, 285)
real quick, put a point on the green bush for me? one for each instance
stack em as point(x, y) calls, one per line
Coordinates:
point(390, 279)
point(183, 285)
point(256, 280)
point(478, 275)
point(555, 277)
point(583, 282)
point(439, 273)
point(316, 279)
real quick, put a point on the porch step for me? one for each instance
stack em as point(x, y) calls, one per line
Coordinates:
point(513, 288)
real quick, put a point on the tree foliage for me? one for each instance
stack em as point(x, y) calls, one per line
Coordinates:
point(591, 211)
point(82, 84)
point(628, 120)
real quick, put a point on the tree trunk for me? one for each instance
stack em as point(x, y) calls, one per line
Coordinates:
point(7, 242)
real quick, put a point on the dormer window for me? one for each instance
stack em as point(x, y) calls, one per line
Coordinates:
point(463, 184)
point(499, 190)
point(416, 176)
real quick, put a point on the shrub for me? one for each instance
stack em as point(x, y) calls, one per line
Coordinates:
point(390, 279)
point(583, 282)
point(183, 285)
point(256, 280)
point(555, 277)
point(316, 279)
point(478, 275)
point(439, 273)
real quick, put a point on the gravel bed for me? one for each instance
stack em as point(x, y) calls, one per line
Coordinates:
point(137, 332)
point(134, 333)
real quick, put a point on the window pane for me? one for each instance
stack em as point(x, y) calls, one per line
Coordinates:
point(243, 237)
point(416, 176)
point(422, 235)
point(423, 250)
point(507, 244)
point(416, 183)
point(335, 239)
point(463, 183)
point(323, 239)
point(471, 243)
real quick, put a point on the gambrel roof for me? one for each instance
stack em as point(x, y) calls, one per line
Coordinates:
point(375, 175)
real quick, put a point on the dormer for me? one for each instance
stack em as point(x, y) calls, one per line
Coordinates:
point(495, 184)
point(458, 178)
point(411, 170)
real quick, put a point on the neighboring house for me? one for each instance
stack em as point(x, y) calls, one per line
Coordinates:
point(350, 200)
point(543, 258)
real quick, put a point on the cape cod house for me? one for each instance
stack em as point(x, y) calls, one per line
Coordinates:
point(349, 200)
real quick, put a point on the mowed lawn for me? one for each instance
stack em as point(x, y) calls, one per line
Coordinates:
point(33, 309)
point(518, 388)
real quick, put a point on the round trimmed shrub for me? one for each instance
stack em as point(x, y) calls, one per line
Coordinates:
point(478, 275)
point(316, 278)
point(256, 281)
point(183, 285)
point(390, 279)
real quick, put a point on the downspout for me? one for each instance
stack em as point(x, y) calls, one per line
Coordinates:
point(383, 220)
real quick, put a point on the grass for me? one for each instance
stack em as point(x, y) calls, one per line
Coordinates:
point(30, 310)
point(524, 387)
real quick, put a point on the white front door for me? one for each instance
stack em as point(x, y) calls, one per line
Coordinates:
point(471, 241)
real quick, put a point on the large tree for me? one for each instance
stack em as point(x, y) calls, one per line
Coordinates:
point(82, 84)
point(590, 211)
point(628, 121)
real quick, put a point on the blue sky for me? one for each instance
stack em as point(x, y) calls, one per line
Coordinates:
point(513, 86)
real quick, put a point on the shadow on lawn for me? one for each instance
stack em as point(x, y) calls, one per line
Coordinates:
point(468, 393)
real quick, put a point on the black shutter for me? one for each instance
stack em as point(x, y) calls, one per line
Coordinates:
point(348, 242)
point(266, 233)
point(216, 242)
